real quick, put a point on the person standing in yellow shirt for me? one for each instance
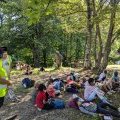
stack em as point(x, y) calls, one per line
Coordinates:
point(6, 61)
point(4, 82)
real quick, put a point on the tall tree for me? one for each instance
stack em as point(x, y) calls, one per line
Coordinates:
point(87, 61)
point(107, 50)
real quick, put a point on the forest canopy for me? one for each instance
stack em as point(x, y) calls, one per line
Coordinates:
point(81, 30)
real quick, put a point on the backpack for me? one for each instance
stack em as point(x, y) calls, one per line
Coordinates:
point(71, 89)
point(27, 83)
point(73, 104)
point(91, 107)
point(58, 104)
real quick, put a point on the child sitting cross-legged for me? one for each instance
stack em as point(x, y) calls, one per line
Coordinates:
point(58, 86)
point(42, 99)
point(92, 92)
point(73, 86)
point(115, 80)
point(50, 89)
point(35, 91)
point(102, 76)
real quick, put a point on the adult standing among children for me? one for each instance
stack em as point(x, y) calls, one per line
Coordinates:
point(4, 82)
point(6, 61)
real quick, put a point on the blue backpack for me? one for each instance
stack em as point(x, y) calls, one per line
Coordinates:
point(27, 83)
point(58, 104)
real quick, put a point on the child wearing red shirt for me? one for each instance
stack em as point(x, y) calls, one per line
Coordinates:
point(42, 98)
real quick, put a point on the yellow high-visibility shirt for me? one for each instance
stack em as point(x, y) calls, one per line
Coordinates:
point(3, 74)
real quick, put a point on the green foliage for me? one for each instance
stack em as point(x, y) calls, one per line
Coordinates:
point(37, 28)
point(35, 10)
point(25, 54)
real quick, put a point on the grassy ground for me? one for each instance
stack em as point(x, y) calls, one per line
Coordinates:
point(26, 111)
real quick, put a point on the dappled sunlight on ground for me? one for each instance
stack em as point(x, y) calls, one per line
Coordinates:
point(26, 110)
point(113, 67)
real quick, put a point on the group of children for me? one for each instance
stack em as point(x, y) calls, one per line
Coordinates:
point(48, 95)
point(93, 100)
point(27, 68)
point(94, 96)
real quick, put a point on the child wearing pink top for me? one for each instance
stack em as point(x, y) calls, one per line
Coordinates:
point(50, 89)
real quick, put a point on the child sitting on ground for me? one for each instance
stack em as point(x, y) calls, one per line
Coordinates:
point(91, 92)
point(50, 89)
point(92, 108)
point(115, 77)
point(42, 69)
point(115, 80)
point(58, 85)
point(72, 86)
point(42, 99)
point(102, 76)
point(28, 70)
point(73, 76)
point(74, 81)
point(112, 84)
point(35, 92)
point(106, 86)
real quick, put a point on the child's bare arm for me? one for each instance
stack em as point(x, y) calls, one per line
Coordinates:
point(4, 81)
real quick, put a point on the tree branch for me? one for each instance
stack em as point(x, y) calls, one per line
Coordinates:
point(115, 35)
point(64, 15)
point(101, 5)
point(115, 38)
point(46, 8)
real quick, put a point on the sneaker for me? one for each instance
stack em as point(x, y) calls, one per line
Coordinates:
point(109, 93)
point(119, 109)
point(108, 117)
point(39, 109)
point(112, 91)
point(60, 96)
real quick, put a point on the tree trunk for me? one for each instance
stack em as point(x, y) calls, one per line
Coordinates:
point(87, 59)
point(70, 55)
point(38, 30)
point(98, 55)
point(44, 58)
point(108, 44)
point(1, 20)
point(36, 56)
point(95, 49)
point(77, 50)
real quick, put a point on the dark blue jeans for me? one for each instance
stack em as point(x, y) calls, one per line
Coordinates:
point(1, 101)
point(102, 108)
